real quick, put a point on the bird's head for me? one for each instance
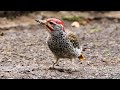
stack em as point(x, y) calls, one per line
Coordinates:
point(52, 24)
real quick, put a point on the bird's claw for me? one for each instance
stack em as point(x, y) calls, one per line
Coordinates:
point(51, 68)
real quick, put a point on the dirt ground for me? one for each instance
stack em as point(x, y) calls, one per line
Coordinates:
point(25, 54)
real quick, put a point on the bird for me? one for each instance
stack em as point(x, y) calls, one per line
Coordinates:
point(62, 42)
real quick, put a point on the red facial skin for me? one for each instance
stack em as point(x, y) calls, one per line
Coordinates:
point(56, 21)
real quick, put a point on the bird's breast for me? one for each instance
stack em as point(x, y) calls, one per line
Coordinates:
point(61, 47)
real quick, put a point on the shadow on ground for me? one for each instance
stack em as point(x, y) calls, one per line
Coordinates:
point(24, 53)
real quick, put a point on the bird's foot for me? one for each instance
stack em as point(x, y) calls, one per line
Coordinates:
point(74, 68)
point(55, 63)
point(52, 68)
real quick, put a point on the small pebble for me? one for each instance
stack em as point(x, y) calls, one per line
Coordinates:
point(75, 24)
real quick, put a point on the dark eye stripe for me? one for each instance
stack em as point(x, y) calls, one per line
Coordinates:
point(49, 28)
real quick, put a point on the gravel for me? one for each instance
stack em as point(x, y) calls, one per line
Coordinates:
point(25, 55)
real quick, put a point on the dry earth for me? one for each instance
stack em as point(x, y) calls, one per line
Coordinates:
point(25, 55)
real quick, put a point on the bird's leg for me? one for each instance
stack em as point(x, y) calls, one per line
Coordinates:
point(72, 61)
point(63, 62)
point(73, 64)
point(56, 62)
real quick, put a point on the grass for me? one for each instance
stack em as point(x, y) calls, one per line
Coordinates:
point(72, 18)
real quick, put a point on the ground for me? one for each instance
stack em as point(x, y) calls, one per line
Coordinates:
point(25, 54)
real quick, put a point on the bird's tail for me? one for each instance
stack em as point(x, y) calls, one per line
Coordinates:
point(81, 57)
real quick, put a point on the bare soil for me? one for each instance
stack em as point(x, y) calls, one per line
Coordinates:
point(25, 54)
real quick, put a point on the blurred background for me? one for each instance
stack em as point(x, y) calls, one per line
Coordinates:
point(16, 18)
point(24, 52)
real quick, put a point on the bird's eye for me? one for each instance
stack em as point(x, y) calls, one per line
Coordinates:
point(51, 22)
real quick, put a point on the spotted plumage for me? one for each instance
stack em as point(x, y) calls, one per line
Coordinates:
point(62, 42)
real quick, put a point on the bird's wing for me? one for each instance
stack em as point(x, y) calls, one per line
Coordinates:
point(73, 39)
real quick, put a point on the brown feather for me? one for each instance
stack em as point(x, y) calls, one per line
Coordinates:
point(73, 38)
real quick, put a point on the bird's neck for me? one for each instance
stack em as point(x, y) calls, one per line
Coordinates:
point(58, 34)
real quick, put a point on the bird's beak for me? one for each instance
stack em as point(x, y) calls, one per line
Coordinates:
point(44, 22)
point(41, 21)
